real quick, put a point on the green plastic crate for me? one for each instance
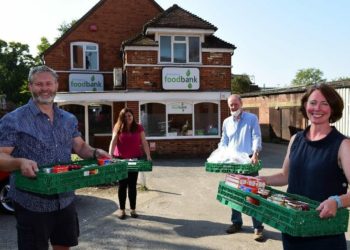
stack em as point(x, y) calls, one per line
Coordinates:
point(290, 221)
point(232, 168)
point(139, 166)
point(54, 183)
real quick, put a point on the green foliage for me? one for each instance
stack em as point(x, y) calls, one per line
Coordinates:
point(64, 27)
point(240, 84)
point(15, 63)
point(44, 45)
point(308, 76)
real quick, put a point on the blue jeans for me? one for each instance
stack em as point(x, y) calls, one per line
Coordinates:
point(236, 218)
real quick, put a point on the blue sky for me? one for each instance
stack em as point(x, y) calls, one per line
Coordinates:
point(274, 38)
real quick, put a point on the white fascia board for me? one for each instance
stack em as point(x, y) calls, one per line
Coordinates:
point(95, 97)
point(175, 31)
point(140, 48)
point(217, 50)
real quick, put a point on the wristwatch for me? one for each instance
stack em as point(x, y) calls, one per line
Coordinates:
point(337, 200)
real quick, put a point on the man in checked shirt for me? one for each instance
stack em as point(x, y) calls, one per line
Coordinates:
point(39, 133)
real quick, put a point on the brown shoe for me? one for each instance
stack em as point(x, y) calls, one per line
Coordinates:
point(133, 214)
point(258, 235)
point(121, 214)
point(234, 228)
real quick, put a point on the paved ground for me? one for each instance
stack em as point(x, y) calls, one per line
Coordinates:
point(179, 211)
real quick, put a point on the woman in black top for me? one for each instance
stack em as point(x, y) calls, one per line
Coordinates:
point(317, 164)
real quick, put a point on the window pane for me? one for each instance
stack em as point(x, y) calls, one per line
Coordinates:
point(91, 47)
point(79, 112)
point(165, 49)
point(91, 60)
point(180, 125)
point(206, 119)
point(100, 120)
point(153, 119)
point(180, 38)
point(179, 53)
point(78, 62)
point(194, 49)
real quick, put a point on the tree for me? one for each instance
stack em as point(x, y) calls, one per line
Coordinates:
point(15, 62)
point(64, 27)
point(308, 76)
point(240, 84)
point(44, 45)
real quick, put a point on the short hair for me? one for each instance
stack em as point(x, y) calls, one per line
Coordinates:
point(333, 98)
point(235, 95)
point(41, 69)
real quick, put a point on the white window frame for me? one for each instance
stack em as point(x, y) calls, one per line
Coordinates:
point(84, 45)
point(193, 136)
point(173, 41)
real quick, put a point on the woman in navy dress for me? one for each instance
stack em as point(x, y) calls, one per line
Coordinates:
point(317, 164)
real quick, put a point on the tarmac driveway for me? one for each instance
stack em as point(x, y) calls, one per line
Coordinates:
point(179, 211)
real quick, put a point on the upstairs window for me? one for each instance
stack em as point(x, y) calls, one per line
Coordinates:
point(179, 49)
point(84, 56)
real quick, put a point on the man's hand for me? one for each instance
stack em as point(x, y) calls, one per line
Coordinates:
point(28, 167)
point(100, 153)
point(255, 158)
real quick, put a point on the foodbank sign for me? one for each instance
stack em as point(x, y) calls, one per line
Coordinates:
point(180, 78)
point(85, 82)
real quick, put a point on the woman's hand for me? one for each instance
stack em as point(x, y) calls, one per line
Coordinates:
point(327, 208)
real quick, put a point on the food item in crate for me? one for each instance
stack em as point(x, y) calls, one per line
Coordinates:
point(297, 205)
point(264, 192)
point(278, 199)
point(47, 170)
point(60, 169)
point(236, 180)
point(103, 161)
point(74, 167)
point(253, 190)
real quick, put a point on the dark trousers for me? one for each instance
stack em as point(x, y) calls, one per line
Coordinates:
point(130, 185)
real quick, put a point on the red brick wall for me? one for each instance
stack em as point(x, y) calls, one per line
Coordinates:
point(266, 103)
point(216, 58)
point(141, 57)
point(116, 21)
point(210, 78)
point(136, 77)
point(215, 79)
point(185, 147)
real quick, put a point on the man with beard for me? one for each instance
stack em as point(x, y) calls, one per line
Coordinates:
point(241, 132)
point(39, 133)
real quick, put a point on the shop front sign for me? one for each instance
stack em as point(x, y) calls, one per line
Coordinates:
point(179, 108)
point(180, 78)
point(85, 82)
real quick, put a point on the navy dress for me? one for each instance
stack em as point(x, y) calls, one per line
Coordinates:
point(314, 172)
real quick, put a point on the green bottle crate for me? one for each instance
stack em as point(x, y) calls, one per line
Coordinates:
point(286, 220)
point(232, 168)
point(90, 174)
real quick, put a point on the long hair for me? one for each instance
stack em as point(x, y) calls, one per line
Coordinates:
point(121, 125)
point(333, 98)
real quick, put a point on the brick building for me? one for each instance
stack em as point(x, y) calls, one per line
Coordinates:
point(167, 65)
